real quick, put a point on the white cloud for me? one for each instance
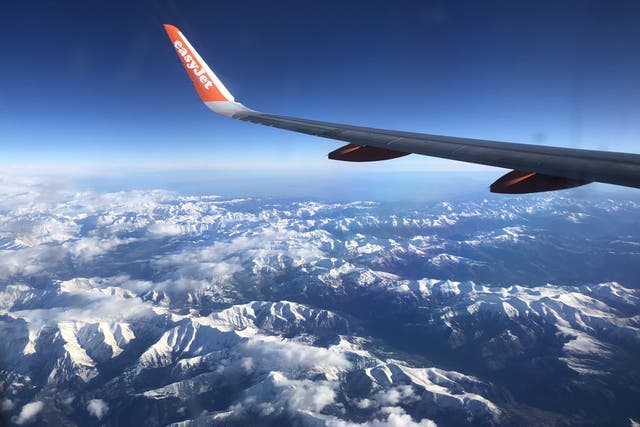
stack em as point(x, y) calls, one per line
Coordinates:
point(98, 408)
point(289, 356)
point(29, 261)
point(282, 390)
point(6, 405)
point(29, 412)
point(277, 393)
point(305, 394)
point(164, 228)
point(395, 417)
point(395, 395)
point(87, 248)
point(95, 301)
point(269, 248)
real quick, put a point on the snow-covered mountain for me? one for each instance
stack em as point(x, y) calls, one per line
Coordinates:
point(148, 307)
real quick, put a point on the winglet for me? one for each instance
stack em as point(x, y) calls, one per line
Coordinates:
point(209, 87)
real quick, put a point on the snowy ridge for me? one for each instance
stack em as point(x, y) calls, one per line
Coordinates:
point(282, 317)
point(201, 310)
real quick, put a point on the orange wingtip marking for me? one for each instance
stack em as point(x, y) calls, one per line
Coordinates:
point(197, 72)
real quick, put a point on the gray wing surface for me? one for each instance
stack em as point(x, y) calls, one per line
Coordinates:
point(573, 164)
point(534, 168)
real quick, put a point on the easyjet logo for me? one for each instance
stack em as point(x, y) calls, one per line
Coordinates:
point(191, 64)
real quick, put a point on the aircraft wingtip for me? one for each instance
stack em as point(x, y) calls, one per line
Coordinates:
point(207, 84)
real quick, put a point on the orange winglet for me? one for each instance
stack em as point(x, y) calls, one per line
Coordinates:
point(205, 81)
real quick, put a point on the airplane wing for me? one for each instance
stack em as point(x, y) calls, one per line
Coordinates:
point(535, 168)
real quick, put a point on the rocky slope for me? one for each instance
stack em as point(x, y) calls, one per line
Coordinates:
point(150, 307)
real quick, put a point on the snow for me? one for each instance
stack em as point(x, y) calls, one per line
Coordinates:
point(98, 408)
point(29, 412)
point(202, 314)
point(69, 331)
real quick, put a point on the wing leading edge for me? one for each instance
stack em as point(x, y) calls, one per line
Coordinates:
point(535, 168)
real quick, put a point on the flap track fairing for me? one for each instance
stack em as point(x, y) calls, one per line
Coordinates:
point(364, 153)
point(521, 182)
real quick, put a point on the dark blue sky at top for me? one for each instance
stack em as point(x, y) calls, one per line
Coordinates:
point(97, 84)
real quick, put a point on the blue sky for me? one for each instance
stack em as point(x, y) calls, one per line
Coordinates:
point(97, 84)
